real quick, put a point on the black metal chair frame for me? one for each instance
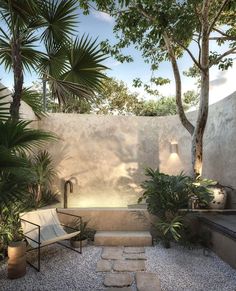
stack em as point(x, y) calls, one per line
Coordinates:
point(38, 242)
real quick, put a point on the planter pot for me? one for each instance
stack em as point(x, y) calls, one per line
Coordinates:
point(76, 243)
point(219, 200)
point(16, 260)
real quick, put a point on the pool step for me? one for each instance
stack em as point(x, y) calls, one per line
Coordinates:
point(123, 238)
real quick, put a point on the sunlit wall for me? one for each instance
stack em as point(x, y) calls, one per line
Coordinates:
point(106, 155)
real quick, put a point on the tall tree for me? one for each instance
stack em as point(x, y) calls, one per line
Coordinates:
point(165, 30)
point(37, 35)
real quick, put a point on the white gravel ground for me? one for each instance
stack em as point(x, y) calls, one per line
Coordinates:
point(190, 270)
point(177, 268)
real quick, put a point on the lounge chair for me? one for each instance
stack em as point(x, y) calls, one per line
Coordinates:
point(42, 228)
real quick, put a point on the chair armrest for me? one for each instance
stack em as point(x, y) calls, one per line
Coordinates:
point(58, 211)
point(72, 215)
point(38, 226)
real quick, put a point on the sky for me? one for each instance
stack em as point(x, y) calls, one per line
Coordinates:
point(100, 25)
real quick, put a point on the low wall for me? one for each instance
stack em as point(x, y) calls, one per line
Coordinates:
point(110, 219)
point(105, 156)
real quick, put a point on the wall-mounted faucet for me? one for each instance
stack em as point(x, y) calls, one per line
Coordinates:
point(68, 182)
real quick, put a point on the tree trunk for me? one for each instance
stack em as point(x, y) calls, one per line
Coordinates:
point(18, 77)
point(178, 87)
point(197, 138)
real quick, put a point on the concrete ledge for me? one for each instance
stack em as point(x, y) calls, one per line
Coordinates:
point(123, 238)
point(223, 235)
point(112, 219)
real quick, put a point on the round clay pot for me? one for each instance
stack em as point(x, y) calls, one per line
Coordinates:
point(16, 260)
point(219, 200)
point(76, 243)
point(16, 249)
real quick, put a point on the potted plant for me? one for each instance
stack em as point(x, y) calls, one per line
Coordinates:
point(84, 236)
point(12, 239)
point(218, 191)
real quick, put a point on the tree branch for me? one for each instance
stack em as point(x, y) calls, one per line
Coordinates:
point(183, 118)
point(190, 54)
point(224, 35)
point(222, 38)
point(224, 3)
point(229, 52)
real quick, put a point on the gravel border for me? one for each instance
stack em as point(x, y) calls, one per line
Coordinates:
point(178, 269)
point(61, 269)
point(181, 269)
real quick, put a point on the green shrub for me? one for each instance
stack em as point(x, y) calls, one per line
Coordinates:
point(166, 194)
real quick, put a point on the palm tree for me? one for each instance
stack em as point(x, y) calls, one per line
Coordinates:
point(49, 24)
point(16, 137)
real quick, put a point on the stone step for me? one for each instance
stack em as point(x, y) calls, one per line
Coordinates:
point(123, 238)
point(147, 282)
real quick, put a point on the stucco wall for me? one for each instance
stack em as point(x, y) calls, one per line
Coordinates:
point(26, 111)
point(106, 155)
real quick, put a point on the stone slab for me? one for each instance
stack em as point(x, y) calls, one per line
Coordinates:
point(104, 266)
point(123, 238)
point(118, 280)
point(119, 289)
point(141, 256)
point(112, 253)
point(147, 282)
point(134, 250)
point(129, 265)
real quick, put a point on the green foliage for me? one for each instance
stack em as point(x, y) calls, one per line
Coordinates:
point(170, 228)
point(15, 172)
point(34, 100)
point(115, 99)
point(165, 195)
point(85, 231)
point(42, 168)
point(18, 136)
point(10, 228)
point(71, 65)
point(161, 107)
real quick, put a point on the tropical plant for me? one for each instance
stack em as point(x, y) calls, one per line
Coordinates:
point(85, 231)
point(44, 173)
point(15, 173)
point(165, 195)
point(34, 100)
point(167, 30)
point(71, 67)
point(170, 229)
point(10, 227)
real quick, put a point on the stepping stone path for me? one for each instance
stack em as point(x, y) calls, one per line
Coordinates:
point(125, 266)
point(129, 265)
point(147, 281)
point(118, 280)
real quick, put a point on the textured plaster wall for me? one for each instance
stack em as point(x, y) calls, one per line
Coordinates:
point(26, 112)
point(106, 155)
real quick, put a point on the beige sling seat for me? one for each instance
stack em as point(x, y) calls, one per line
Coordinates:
point(42, 228)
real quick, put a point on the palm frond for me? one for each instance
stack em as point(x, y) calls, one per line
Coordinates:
point(60, 21)
point(34, 100)
point(62, 89)
point(17, 136)
point(9, 161)
point(85, 63)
